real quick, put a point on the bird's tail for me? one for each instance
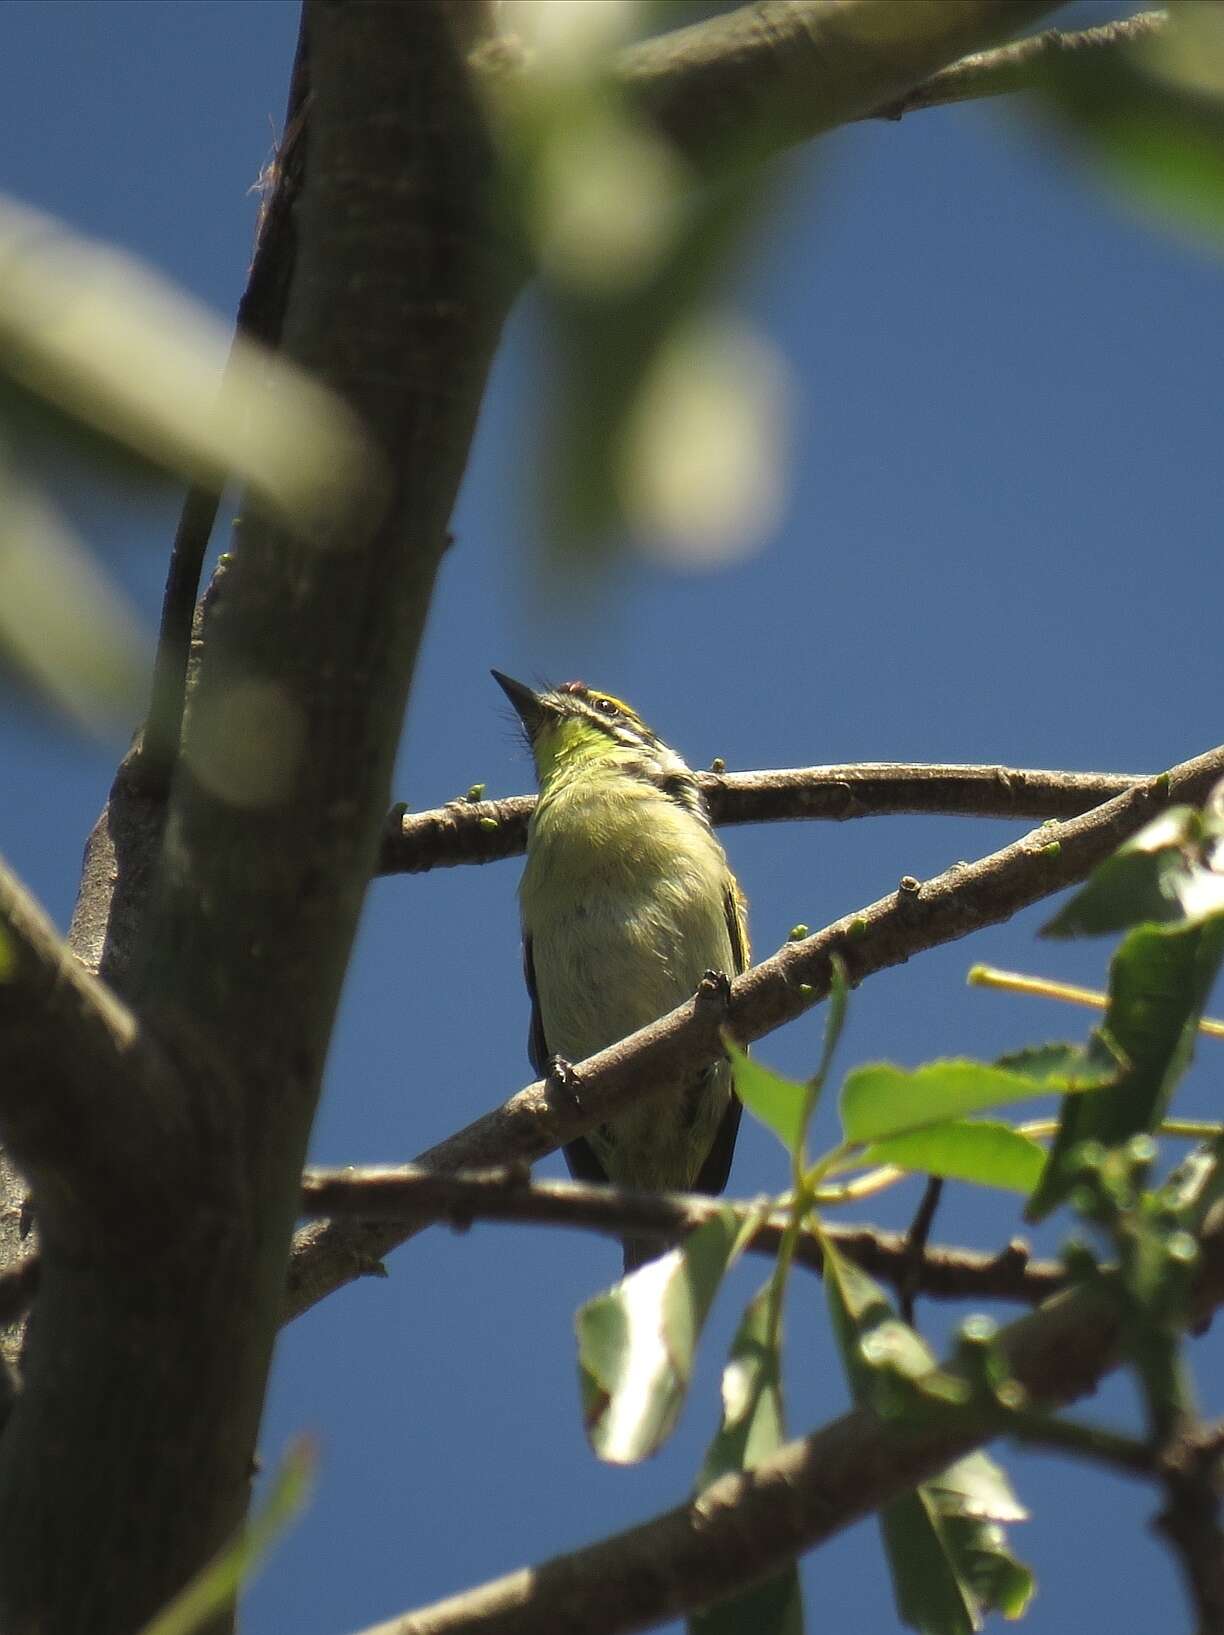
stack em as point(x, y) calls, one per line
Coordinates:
point(638, 1251)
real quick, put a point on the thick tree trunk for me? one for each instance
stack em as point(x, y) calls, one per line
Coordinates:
point(127, 1456)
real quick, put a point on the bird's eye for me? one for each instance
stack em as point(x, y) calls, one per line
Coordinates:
point(605, 706)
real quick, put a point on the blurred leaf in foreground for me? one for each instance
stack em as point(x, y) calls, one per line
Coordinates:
point(214, 1589)
point(673, 415)
point(64, 630)
point(100, 342)
point(1152, 118)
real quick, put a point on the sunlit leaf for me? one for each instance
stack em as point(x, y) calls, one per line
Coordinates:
point(1158, 876)
point(1159, 984)
point(945, 1545)
point(752, 1428)
point(636, 1343)
point(785, 1105)
point(881, 1100)
point(213, 1590)
point(771, 1097)
point(983, 1152)
point(101, 341)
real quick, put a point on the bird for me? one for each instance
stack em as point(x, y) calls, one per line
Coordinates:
point(627, 902)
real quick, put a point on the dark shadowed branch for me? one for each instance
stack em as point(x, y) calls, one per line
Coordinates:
point(412, 1194)
point(88, 1109)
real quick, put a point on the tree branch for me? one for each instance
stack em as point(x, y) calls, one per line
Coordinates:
point(88, 1109)
point(1027, 64)
point(484, 831)
point(746, 1526)
point(123, 846)
point(921, 915)
point(307, 651)
point(1190, 1519)
point(408, 1193)
point(746, 84)
point(261, 312)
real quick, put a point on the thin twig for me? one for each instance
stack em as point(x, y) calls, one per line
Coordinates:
point(754, 81)
point(409, 1193)
point(927, 914)
point(1026, 64)
point(260, 313)
point(1190, 1519)
point(916, 1246)
point(484, 831)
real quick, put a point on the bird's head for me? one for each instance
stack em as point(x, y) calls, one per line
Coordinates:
point(573, 728)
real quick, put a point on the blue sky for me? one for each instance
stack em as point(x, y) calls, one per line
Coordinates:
point(1000, 545)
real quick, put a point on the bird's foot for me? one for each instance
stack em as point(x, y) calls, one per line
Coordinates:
point(714, 990)
point(562, 1077)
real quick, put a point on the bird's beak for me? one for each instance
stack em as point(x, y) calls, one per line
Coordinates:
point(526, 703)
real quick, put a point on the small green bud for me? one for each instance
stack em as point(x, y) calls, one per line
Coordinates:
point(489, 823)
point(1054, 849)
point(1182, 1248)
point(1012, 1396)
point(476, 792)
point(797, 933)
point(979, 1330)
point(718, 764)
point(858, 927)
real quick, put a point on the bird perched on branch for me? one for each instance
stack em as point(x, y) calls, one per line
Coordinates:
point(627, 901)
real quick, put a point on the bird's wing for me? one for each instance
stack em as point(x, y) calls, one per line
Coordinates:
point(712, 1177)
point(579, 1155)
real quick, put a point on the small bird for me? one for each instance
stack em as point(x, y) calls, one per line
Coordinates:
point(627, 901)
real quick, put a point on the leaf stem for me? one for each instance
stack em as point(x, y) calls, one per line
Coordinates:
point(1069, 993)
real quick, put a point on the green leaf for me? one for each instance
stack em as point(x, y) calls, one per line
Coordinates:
point(784, 1105)
point(636, 1343)
point(752, 1427)
point(1152, 119)
point(987, 1153)
point(881, 1100)
point(1056, 1063)
point(1158, 876)
point(1159, 983)
point(215, 1587)
point(946, 1549)
point(778, 1102)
